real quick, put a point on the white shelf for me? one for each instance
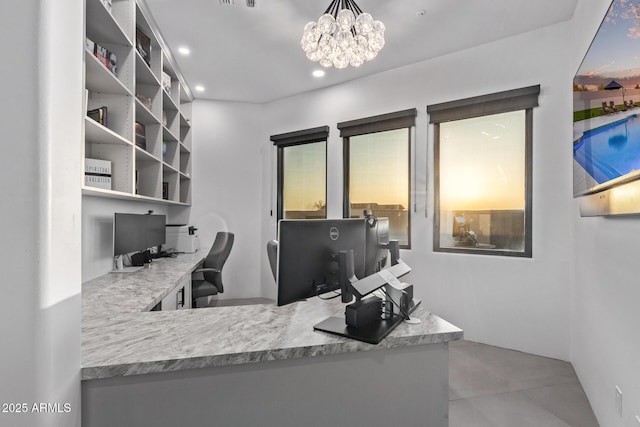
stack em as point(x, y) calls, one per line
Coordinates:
point(167, 101)
point(143, 115)
point(168, 136)
point(94, 191)
point(184, 122)
point(96, 133)
point(184, 96)
point(99, 192)
point(167, 202)
point(184, 149)
point(144, 75)
point(99, 79)
point(143, 155)
point(102, 26)
point(169, 169)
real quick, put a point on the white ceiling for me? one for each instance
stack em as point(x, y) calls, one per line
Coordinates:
point(254, 55)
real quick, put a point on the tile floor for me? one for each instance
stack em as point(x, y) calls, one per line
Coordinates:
point(496, 387)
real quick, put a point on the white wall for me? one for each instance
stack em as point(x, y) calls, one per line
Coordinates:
point(97, 230)
point(226, 193)
point(41, 119)
point(515, 303)
point(605, 313)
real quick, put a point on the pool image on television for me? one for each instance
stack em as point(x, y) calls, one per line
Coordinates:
point(606, 104)
point(610, 151)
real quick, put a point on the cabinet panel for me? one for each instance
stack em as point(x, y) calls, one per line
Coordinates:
point(179, 298)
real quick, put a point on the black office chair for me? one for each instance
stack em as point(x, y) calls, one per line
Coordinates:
point(272, 254)
point(207, 280)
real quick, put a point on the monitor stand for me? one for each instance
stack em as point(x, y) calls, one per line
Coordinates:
point(371, 333)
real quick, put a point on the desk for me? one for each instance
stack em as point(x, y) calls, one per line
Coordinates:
point(249, 365)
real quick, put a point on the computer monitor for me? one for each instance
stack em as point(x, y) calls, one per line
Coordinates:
point(156, 230)
point(128, 233)
point(308, 255)
point(136, 233)
point(377, 244)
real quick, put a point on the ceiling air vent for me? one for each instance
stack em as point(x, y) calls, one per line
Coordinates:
point(248, 3)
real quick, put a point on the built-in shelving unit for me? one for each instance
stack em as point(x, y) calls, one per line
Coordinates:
point(157, 166)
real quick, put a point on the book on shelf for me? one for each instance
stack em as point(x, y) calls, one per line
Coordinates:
point(143, 46)
point(103, 182)
point(141, 136)
point(145, 100)
point(97, 167)
point(166, 82)
point(97, 173)
point(99, 115)
point(165, 190)
point(104, 55)
point(164, 151)
point(164, 118)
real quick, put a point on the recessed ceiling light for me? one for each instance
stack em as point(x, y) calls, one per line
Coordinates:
point(421, 12)
point(318, 73)
point(199, 88)
point(184, 50)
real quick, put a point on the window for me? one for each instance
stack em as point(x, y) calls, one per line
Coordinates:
point(377, 172)
point(482, 173)
point(302, 173)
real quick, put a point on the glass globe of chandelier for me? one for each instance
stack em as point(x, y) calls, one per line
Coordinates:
point(343, 36)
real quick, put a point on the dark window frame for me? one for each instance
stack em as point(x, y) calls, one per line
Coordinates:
point(290, 139)
point(502, 102)
point(375, 124)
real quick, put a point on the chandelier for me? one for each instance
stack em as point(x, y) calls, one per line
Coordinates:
point(343, 36)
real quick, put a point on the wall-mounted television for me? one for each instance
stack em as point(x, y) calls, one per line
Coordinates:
point(606, 104)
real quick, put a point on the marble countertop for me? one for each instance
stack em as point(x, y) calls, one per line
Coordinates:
point(120, 338)
point(117, 293)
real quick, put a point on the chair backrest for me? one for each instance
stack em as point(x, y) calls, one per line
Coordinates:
point(272, 254)
point(217, 257)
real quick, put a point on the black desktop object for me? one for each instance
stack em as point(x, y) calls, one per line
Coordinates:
point(319, 256)
point(307, 256)
point(363, 319)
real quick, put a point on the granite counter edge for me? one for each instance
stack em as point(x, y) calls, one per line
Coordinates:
point(160, 366)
